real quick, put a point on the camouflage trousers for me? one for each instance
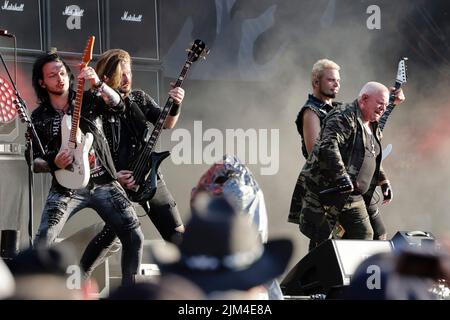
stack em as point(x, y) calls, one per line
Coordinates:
point(320, 223)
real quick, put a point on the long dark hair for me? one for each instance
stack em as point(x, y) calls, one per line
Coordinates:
point(38, 65)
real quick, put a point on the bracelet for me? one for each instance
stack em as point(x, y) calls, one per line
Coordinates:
point(175, 110)
point(100, 88)
point(98, 84)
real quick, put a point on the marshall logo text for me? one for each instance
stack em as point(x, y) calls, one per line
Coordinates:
point(131, 17)
point(12, 7)
point(73, 11)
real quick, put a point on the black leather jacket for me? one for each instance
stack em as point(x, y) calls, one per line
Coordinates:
point(47, 123)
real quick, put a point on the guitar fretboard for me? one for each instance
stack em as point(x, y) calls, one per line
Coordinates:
point(165, 112)
point(389, 108)
point(76, 113)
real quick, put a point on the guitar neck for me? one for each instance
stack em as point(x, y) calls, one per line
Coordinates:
point(165, 111)
point(389, 108)
point(76, 112)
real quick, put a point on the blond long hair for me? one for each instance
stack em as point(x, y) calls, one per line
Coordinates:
point(109, 68)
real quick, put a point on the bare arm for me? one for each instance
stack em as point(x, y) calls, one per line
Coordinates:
point(311, 129)
point(171, 121)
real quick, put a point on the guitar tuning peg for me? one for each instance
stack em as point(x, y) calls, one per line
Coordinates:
point(204, 53)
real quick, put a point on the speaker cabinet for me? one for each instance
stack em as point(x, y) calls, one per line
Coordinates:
point(9, 244)
point(330, 265)
point(70, 23)
point(22, 19)
point(133, 26)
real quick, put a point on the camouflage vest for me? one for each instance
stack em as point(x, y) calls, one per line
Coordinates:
point(339, 151)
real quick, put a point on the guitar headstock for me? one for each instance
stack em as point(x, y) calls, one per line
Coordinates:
point(401, 72)
point(197, 51)
point(87, 53)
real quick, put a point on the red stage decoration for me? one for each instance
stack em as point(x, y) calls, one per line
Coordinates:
point(8, 110)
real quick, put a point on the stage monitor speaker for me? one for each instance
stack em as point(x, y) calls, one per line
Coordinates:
point(418, 239)
point(330, 265)
point(9, 244)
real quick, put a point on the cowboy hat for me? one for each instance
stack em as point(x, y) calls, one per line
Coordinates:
point(221, 250)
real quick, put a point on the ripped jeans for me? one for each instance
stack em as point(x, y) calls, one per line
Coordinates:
point(111, 203)
point(163, 212)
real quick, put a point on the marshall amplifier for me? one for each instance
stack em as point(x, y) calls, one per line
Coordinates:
point(70, 23)
point(21, 18)
point(133, 26)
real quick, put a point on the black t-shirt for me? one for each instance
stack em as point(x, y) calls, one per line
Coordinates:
point(372, 150)
point(99, 175)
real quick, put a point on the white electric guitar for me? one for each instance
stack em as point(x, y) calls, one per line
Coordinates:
point(77, 174)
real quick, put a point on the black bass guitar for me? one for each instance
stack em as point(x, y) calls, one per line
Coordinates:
point(145, 166)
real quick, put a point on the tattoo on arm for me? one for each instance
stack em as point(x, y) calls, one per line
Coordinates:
point(109, 95)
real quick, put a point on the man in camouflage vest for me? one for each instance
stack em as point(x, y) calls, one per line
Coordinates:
point(341, 174)
point(325, 81)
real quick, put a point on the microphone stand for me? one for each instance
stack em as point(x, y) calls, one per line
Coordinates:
point(30, 135)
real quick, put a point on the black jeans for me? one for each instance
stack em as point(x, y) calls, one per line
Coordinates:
point(111, 203)
point(162, 211)
point(376, 219)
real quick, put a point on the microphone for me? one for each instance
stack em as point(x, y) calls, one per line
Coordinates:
point(5, 33)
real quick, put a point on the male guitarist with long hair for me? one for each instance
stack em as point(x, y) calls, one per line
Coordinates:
point(125, 132)
point(52, 82)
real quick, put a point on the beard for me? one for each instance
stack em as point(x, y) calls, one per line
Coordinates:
point(331, 95)
point(59, 92)
point(125, 89)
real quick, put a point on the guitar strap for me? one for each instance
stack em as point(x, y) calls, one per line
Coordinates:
point(135, 123)
point(139, 122)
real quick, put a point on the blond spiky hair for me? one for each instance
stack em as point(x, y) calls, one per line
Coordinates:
point(320, 66)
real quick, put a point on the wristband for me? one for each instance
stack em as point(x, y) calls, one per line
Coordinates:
point(175, 110)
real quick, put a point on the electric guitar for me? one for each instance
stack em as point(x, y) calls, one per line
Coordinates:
point(145, 166)
point(399, 81)
point(77, 174)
